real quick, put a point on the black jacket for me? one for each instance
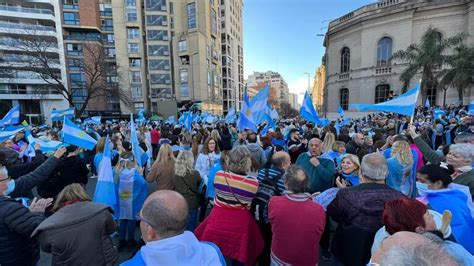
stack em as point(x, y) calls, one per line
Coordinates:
point(73, 170)
point(352, 147)
point(20, 169)
point(225, 144)
point(16, 225)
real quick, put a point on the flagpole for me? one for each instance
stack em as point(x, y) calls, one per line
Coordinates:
point(413, 114)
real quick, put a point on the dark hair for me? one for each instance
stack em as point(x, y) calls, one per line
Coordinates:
point(3, 159)
point(436, 173)
point(252, 138)
point(403, 214)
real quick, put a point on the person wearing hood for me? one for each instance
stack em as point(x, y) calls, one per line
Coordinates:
point(163, 222)
point(257, 152)
point(78, 233)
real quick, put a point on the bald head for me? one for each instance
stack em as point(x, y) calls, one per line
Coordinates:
point(166, 212)
point(315, 146)
point(281, 159)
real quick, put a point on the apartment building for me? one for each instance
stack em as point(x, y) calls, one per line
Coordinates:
point(27, 20)
point(279, 91)
point(317, 90)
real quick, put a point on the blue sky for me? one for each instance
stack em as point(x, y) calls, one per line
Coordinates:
point(281, 35)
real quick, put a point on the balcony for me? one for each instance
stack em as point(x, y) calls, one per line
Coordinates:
point(344, 76)
point(383, 71)
point(10, 26)
point(71, 7)
point(26, 10)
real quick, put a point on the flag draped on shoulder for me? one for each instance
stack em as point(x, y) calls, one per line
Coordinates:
point(59, 115)
point(105, 189)
point(404, 104)
point(307, 110)
point(12, 117)
point(140, 155)
point(73, 135)
point(246, 119)
point(258, 104)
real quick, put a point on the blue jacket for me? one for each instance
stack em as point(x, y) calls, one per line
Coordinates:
point(320, 177)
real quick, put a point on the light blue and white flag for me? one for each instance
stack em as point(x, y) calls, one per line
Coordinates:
point(9, 132)
point(438, 113)
point(231, 116)
point(258, 104)
point(73, 135)
point(188, 121)
point(340, 111)
point(427, 103)
point(471, 108)
point(96, 120)
point(58, 115)
point(274, 114)
point(265, 130)
point(171, 120)
point(307, 110)
point(105, 189)
point(140, 155)
point(246, 119)
point(46, 145)
point(12, 117)
point(404, 104)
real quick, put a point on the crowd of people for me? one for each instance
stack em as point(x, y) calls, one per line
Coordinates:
point(377, 189)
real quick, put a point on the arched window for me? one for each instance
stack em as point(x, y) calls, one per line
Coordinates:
point(344, 98)
point(384, 51)
point(345, 59)
point(431, 95)
point(382, 92)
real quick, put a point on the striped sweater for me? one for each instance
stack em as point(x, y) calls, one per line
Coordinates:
point(234, 191)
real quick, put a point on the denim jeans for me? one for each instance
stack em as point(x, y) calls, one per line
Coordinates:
point(127, 229)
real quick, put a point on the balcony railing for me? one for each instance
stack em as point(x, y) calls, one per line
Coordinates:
point(383, 70)
point(344, 76)
point(26, 10)
point(26, 27)
point(75, 7)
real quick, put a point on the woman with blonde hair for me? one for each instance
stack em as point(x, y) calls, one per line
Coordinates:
point(163, 169)
point(328, 141)
point(186, 182)
point(216, 135)
point(132, 192)
point(78, 233)
point(400, 164)
point(350, 171)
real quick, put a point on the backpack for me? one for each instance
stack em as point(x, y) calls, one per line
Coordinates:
point(267, 188)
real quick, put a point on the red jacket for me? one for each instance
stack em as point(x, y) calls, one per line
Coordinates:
point(234, 231)
point(155, 136)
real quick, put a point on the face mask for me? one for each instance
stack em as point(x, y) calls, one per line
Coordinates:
point(10, 187)
point(422, 188)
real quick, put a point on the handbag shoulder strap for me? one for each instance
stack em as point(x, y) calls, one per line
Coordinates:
point(230, 188)
point(189, 187)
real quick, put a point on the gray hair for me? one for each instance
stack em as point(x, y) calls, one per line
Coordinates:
point(374, 167)
point(464, 150)
point(184, 163)
point(239, 160)
point(296, 179)
point(4, 171)
point(426, 254)
point(464, 137)
point(165, 220)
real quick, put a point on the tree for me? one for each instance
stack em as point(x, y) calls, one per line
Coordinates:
point(426, 57)
point(43, 60)
point(460, 74)
point(287, 111)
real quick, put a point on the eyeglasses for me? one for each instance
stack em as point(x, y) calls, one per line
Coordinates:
point(142, 219)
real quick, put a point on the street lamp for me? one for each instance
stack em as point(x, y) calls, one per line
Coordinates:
point(306, 73)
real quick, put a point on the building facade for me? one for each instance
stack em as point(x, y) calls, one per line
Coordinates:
point(293, 100)
point(359, 46)
point(19, 21)
point(279, 91)
point(232, 53)
point(317, 90)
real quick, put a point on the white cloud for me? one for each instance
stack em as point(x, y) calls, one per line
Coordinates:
point(299, 87)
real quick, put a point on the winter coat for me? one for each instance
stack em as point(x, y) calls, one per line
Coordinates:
point(257, 154)
point(79, 234)
point(321, 176)
point(17, 170)
point(16, 225)
point(225, 144)
point(73, 170)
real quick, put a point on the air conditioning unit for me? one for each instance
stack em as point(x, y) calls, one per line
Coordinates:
point(167, 81)
point(165, 38)
point(167, 67)
point(164, 23)
point(166, 53)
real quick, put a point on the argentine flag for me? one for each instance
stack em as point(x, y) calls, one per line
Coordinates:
point(427, 103)
point(188, 122)
point(12, 117)
point(58, 115)
point(105, 189)
point(46, 146)
point(231, 116)
point(140, 155)
point(73, 135)
point(258, 104)
point(9, 132)
point(307, 110)
point(246, 119)
point(340, 111)
point(404, 104)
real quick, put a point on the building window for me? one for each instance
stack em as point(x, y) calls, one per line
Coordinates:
point(191, 16)
point(156, 20)
point(132, 33)
point(431, 95)
point(137, 93)
point(131, 16)
point(160, 79)
point(155, 5)
point(110, 38)
point(345, 60)
point(184, 82)
point(182, 46)
point(110, 52)
point(107, 24)
point(135, 77)
point(158, 50)
point(157, 35)
point(74, 49)
point(74, 64)
point(71, 18)
point(133, 48)
point(213, 21)
point(130, 3)
point(135, 62)
point(344, 98)
point(159, 64)
point(382, 93)
point(384, 51)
